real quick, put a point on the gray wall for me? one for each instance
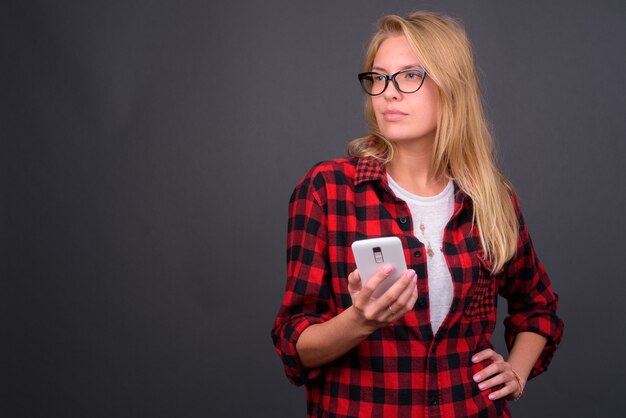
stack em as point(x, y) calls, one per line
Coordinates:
point(149, 149)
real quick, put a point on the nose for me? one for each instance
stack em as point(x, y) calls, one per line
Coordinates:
point(392, 92)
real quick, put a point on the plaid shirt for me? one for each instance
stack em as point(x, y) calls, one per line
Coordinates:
point(402, 369)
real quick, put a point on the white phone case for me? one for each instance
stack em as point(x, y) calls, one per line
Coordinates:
point(374, 253)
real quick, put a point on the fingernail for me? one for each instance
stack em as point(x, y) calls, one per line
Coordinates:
point(481, 386)
point(475, 359)
point(476, 377)
point(388, 269)
point(411, 275)
point(492, 396)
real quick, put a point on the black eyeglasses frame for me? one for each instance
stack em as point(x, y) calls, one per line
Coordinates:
point(391, 78)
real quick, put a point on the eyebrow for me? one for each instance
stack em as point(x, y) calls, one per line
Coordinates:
point(406, 67)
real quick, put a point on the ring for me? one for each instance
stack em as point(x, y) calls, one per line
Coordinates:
point(391, 310)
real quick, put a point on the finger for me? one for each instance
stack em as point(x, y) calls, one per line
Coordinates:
point(354, 282)
point(391, 295)
point(413, 298)
point(508, 390)
point(485, 355)
point(491, 370)
point(381, 274)
point(497, 380)
point(404, 299)
point(404, 303)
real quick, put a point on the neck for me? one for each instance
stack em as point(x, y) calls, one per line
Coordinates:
point(411, 169)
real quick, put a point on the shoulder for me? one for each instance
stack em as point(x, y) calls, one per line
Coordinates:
point(338, 172)
point(326, 180)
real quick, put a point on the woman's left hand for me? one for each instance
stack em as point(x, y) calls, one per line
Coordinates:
point(498, 374)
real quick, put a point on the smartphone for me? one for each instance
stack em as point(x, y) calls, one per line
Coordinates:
point(373, 253)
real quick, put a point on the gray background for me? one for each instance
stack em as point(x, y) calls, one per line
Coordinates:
point(149, 149)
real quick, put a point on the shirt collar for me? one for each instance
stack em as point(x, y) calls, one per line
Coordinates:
point(368, 169)
point(371, 169)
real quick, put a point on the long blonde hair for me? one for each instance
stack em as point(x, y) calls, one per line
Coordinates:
point(463, 148)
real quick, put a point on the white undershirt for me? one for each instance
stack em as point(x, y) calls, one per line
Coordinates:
point(430, 217)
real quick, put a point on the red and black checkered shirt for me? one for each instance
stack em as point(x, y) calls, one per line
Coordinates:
point(402, 369)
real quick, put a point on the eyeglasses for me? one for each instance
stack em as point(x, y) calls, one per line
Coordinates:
point(405, 81)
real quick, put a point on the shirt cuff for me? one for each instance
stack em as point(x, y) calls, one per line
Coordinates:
point(285, 343)
point(547, 324)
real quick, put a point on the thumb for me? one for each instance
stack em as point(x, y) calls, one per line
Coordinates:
point(354, 282)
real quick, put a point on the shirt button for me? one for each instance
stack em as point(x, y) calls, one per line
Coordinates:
point(403, 220)
point(433, 401)
point(417, 253)
point(421, 302)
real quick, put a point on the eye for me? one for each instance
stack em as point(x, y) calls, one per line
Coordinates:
point(413, 75)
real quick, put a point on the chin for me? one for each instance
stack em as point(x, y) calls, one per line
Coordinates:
point(405, 135)
point(398, 136)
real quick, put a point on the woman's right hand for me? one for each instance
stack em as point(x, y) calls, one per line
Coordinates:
point(390, 306)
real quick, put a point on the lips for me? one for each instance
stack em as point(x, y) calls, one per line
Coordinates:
point(393, 115)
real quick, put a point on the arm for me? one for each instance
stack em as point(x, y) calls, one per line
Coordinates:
point(322, 343)
point(526, 350)
point(532, 303)
point(532, 329)
point(308, 331)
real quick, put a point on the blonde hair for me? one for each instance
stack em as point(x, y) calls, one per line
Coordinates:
point(463, 147)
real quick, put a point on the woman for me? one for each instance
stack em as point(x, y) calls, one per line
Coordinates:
point(426, 174)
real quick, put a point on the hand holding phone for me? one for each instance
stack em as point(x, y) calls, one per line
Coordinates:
point(372, 254)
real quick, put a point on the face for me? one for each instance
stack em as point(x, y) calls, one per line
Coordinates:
point(404, 117)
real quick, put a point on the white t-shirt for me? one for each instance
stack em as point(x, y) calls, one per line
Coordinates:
point(430, 217)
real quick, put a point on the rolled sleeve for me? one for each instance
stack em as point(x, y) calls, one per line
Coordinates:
point(532, 303)
point(285, 337)
point(307, 299)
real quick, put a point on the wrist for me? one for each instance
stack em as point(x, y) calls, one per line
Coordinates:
point(358, 323)
point(521, 384)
